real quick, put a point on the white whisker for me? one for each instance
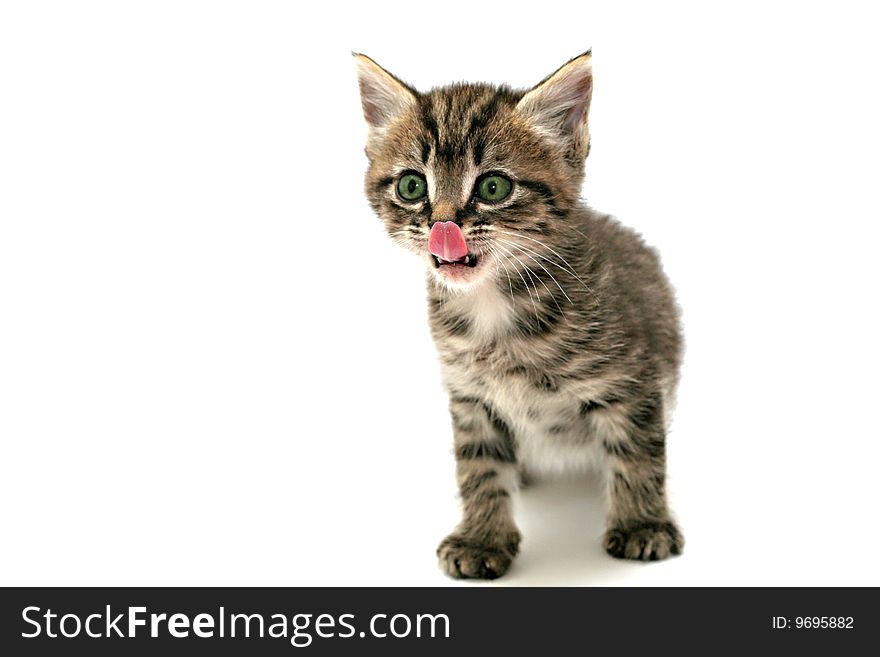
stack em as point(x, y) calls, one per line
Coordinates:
point(528, 289)
point(499, 259)
point(568, 268)
point(553, 298)
point(522, 248)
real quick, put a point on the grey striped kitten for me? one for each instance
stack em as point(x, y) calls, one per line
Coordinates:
point(557, 330)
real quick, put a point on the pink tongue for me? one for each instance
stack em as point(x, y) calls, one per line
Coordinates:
point(447, 242)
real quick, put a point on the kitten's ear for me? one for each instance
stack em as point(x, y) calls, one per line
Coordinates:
point(382, 95)
point(560, 104)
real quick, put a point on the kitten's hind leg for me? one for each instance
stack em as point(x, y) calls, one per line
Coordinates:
point(486, 541)
point(634, 440)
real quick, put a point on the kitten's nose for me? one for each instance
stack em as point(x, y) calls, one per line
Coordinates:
point(442, 211)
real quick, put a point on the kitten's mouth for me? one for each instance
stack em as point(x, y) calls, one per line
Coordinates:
point(448, 246)
point(462, 273)
point(470, 260)
point(453, 262)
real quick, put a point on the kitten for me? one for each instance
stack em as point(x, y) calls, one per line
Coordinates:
point(557, 330)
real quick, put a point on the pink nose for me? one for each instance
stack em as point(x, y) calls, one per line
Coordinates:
point(447, 242)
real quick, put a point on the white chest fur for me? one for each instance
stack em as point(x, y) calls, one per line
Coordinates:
point(551, 436)
point(488, 310)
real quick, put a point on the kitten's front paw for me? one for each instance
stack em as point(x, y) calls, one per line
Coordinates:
point(464, 557)
point(648, 541)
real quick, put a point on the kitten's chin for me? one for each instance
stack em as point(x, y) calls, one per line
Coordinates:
point(460, 275)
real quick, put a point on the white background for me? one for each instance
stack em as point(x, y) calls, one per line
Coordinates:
point(215, 368)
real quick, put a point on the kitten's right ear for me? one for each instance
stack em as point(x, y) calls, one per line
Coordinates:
point(383, 96)
point(560, 104)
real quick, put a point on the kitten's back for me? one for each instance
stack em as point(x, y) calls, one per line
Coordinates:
point(630, 276)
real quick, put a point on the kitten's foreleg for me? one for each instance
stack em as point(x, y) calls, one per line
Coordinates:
point(486, 541)
point(639, 524)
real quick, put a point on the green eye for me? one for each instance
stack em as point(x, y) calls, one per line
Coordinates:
point(411, 187)
point(494, 188)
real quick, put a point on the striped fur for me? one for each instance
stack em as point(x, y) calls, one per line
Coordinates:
point(561, 349)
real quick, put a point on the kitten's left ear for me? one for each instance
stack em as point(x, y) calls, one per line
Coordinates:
point(560, 104)
point(383, 96)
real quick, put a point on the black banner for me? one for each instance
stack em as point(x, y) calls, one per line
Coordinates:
point(333, 621)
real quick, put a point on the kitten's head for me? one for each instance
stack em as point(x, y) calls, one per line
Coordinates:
point(469, 175)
